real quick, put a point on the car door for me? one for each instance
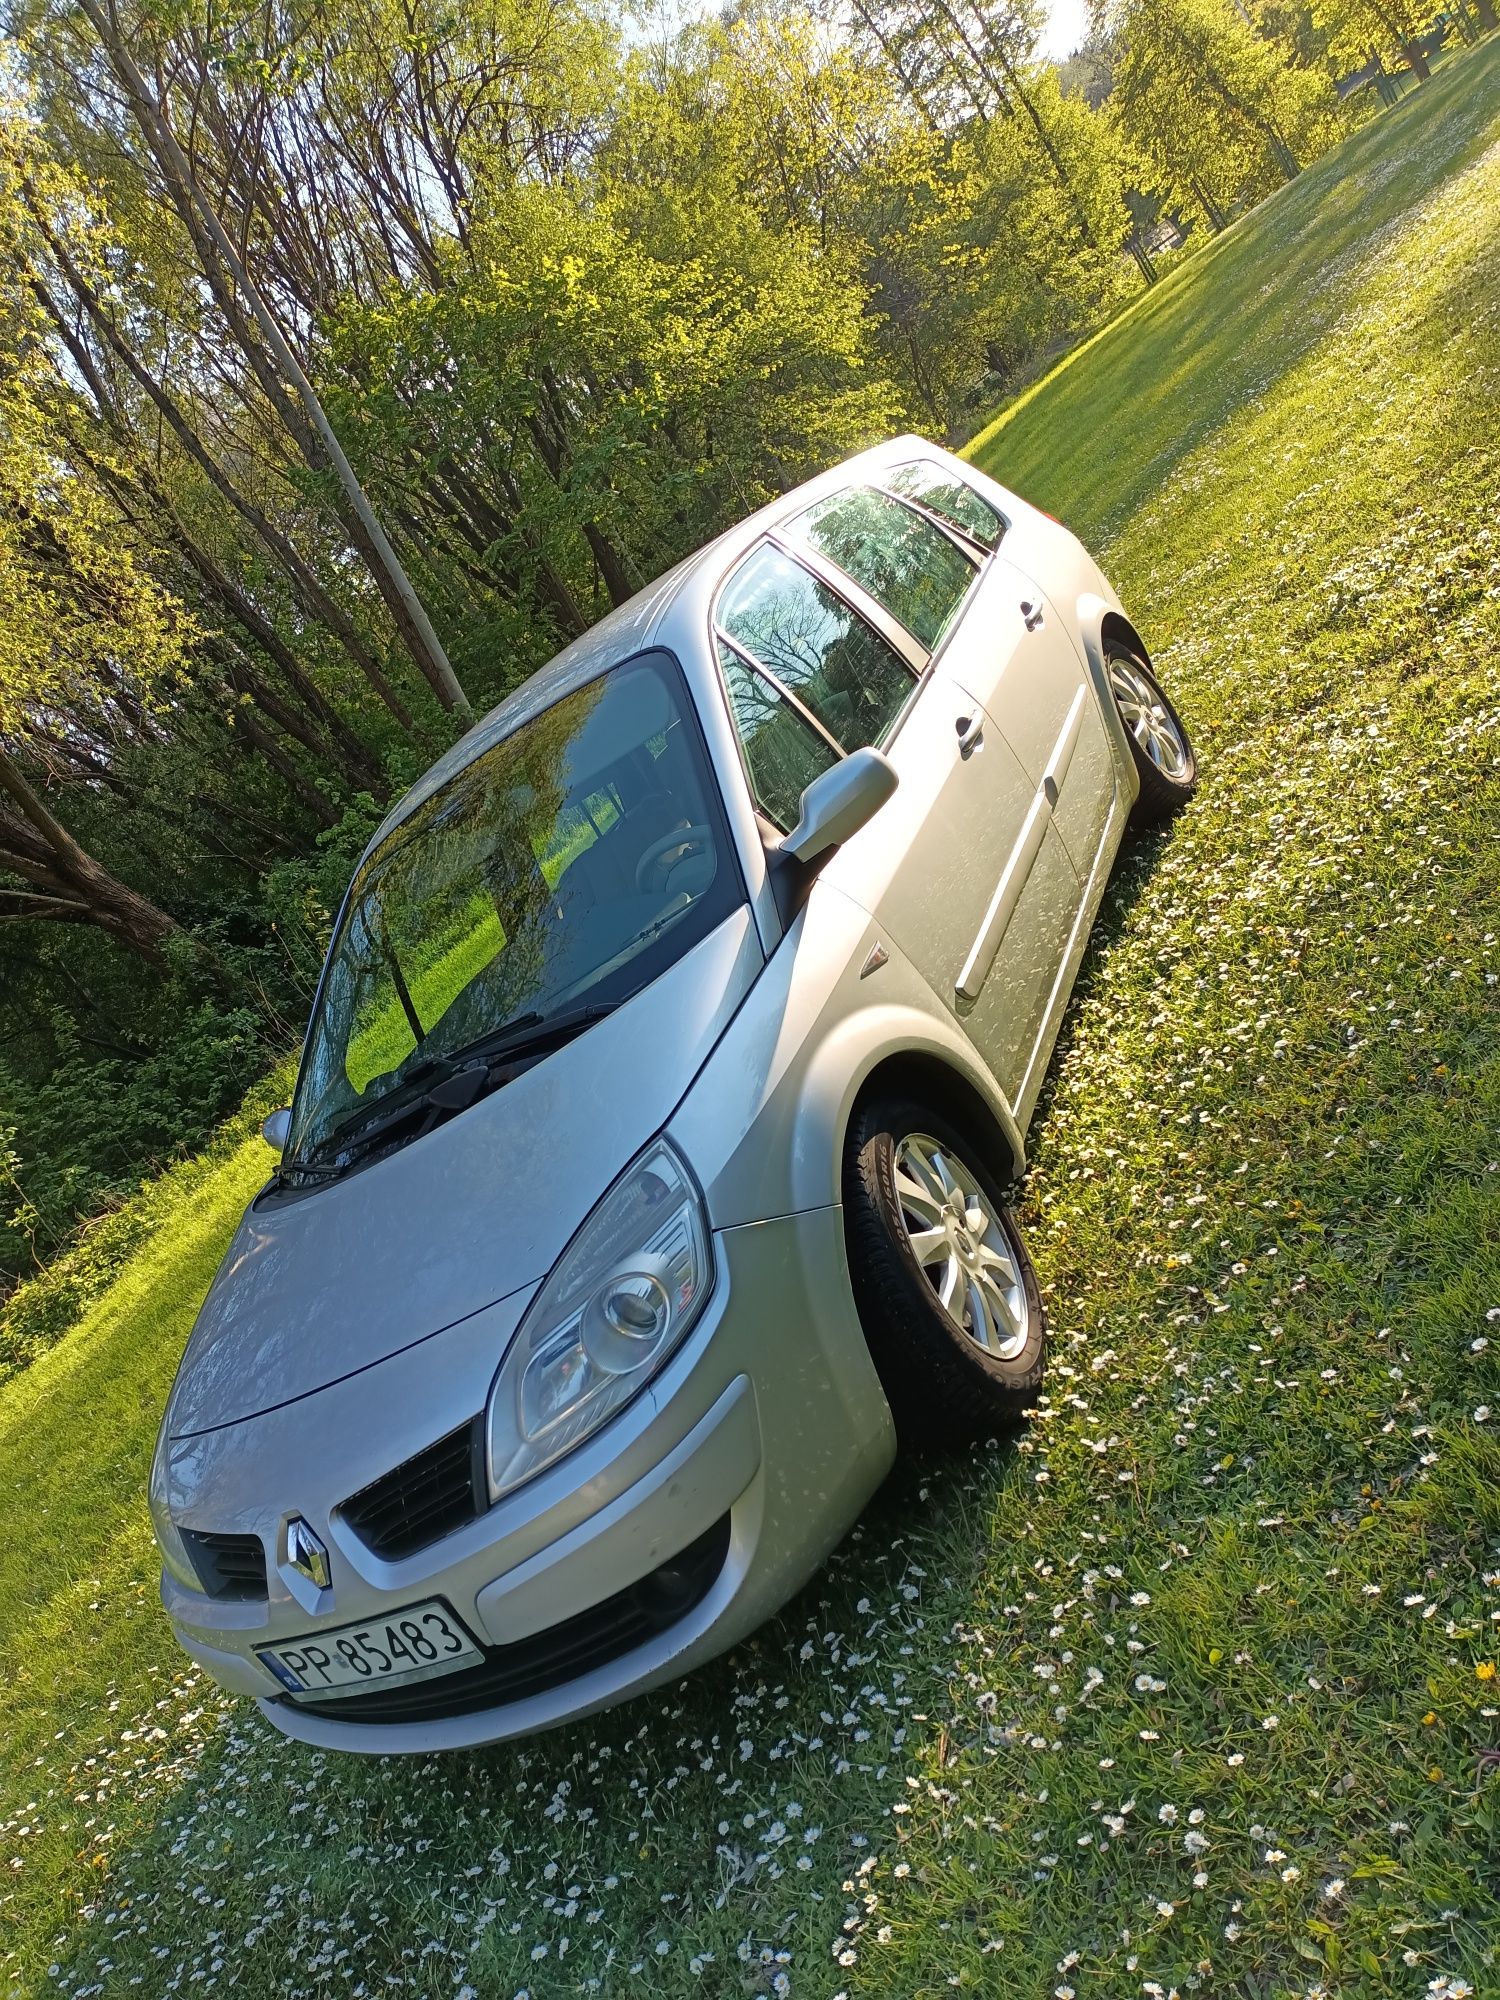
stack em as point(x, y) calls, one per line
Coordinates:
point(1031, 678)
point(815, 666)
point(1017, 659)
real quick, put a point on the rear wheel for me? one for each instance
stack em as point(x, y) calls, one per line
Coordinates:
point(946, 1293)
point(1159, 744)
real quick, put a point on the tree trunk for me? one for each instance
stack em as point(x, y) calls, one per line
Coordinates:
point(246, 724)
point(369, 537)
point(1144, 261)
point(1416, 61)
point(35, 846)
point(1488, 18)
point(310, 592)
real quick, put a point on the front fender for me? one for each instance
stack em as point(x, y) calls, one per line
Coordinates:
point(764, 1123)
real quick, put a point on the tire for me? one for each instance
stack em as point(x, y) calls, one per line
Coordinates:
point(944, 1387)
point(1160, 747)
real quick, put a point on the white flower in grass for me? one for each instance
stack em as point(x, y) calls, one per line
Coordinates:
point(1167, 1815)
point(1270, 1722)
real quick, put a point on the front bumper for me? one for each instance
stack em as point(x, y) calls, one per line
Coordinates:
point(769, 1426)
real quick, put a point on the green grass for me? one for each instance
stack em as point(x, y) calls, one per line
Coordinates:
point(980, 1752)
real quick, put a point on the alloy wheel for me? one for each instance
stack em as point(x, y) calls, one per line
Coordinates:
point(1148, 718)
point(963, 1246)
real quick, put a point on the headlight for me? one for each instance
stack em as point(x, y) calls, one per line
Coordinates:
point(173, 1550)
point(618, 1302)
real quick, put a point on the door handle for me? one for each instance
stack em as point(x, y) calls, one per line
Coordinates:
point(970, 733)
point(1031, 613)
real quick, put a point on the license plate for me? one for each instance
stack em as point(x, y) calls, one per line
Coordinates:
point(411, 1645)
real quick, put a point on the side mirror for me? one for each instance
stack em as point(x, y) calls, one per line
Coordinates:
point(277, 1129)
point(838, 803)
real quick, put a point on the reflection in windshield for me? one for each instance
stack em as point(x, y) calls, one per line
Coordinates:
point(563, 867)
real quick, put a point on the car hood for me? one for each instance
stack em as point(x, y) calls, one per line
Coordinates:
point(313, 1290)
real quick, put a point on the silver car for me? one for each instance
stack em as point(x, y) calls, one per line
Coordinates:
point(645, 1180)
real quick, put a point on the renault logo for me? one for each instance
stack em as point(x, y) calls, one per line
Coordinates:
point(306, 1553)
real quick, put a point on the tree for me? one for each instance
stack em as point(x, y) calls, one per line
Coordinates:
point(81, 625)
point(1396, 27)
point(1220, 119)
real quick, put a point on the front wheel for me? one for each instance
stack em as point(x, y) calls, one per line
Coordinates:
point(1159, 744)
point(945, 1290)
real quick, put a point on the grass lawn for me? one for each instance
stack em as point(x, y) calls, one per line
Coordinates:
point(1191, 1687)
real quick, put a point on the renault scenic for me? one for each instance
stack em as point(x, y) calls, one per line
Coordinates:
point(645, 1180)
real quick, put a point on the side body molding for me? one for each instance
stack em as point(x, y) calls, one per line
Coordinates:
point(1007, 894)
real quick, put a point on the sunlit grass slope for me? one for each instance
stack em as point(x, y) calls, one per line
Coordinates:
point(1192, 1687)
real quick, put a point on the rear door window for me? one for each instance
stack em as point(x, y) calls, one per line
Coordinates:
point(851, 680)
point(937, 489)
point(908, 565)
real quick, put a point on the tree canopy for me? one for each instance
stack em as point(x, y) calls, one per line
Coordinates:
point(353, 359)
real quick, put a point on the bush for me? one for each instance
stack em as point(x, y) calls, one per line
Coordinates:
point(44, 1308)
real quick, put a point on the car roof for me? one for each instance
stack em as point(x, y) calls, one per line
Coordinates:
point(673, 608)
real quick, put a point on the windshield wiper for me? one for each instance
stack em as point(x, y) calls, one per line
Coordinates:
point(462, 1076)
point(524, 1032)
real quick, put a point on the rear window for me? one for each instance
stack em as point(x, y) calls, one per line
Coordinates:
point(908, 565)
point(942, 493)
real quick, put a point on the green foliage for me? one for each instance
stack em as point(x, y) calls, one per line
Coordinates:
point(704, 384)
point(1213, 107)
point(50, 1303)
point(75, 601)
point(100, 1122)
point(119, 1095)
point(1350, 28)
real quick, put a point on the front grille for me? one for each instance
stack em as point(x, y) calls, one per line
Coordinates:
point(227, 1565)
point(425, 1497)
point(562, 1653)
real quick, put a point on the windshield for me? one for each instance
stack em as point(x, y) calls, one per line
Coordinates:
point(559, 872)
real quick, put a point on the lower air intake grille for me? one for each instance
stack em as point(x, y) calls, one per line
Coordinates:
point(425, 1498)
point(563, 1652)
point(228, 1565)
